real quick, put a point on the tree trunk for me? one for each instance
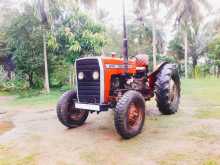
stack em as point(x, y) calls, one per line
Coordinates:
point(194, 65)
point(46, 81)
point(78, 2)
point(30, 79)
point(179, 68)
point(218, 72)
point(215, 70)
point(186, 54)
point(194, 62)
point(71, 76)
point(154, 42)
point(9, 75)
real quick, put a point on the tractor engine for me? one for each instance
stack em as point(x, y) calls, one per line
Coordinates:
point(137, 81)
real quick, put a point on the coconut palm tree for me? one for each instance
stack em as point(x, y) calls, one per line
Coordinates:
point(47, 16)
point(140, 11)
point(89, 4)
point(187, 15)
point(44, 21)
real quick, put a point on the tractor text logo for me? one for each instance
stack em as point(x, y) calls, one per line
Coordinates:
point(116, 66)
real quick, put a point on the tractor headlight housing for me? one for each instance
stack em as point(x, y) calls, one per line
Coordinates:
point(80, 75)
point(95, 75)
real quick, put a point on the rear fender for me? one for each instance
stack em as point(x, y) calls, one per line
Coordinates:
point(153, 75)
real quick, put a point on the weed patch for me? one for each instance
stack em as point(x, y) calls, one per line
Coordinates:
point(203, 133)
point(8, 157)
point(208, 113)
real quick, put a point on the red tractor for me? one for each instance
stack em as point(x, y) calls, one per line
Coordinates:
point(121, 84)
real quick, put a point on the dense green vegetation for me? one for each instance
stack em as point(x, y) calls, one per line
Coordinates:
point(214, 52)
point(75, 35)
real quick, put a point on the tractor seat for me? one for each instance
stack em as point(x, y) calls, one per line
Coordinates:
point(141, 61)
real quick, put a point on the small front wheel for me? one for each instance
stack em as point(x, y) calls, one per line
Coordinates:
point(130, 114)
point(67, 114)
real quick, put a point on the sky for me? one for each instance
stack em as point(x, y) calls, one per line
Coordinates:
point(114, 7)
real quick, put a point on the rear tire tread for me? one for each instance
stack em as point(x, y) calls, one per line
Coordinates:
point(162, 88)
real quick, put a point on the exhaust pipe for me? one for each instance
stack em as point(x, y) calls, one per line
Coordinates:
point(125, 41)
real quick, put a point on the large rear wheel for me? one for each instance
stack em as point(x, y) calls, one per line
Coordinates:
point(167, 89)
point(67, 114)
point(130, 114)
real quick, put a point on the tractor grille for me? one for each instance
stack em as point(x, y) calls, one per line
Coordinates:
point(88, 89)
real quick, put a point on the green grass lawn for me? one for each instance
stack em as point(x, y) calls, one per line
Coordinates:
point(32, 99)
point(207, 90)
point(205, 95)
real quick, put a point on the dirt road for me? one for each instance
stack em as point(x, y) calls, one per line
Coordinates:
point(34, 136)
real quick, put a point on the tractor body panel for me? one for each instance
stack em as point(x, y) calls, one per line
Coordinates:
point(99, 91)
point(114, 66)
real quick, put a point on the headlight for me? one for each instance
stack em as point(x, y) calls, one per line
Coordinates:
point(95, 75)
point(80, 75)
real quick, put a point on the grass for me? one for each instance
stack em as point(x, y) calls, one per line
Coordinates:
point(206, 91)
point(203, 133)
point(9, 157)
point(188, 158)
point(174, 158)
point(30, 99)
point(43, 99)
point(89, 157)
point(208, 113)
point(204, 96)
point(3, 93)
point(211, 162)
point(13, 159)
point(173, 121)
point(93, 158)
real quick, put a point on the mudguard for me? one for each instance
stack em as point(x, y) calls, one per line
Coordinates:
point(152, 76)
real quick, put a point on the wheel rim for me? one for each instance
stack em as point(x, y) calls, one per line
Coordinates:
point(76, 114)
point(134, 116)
point(173, 93)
